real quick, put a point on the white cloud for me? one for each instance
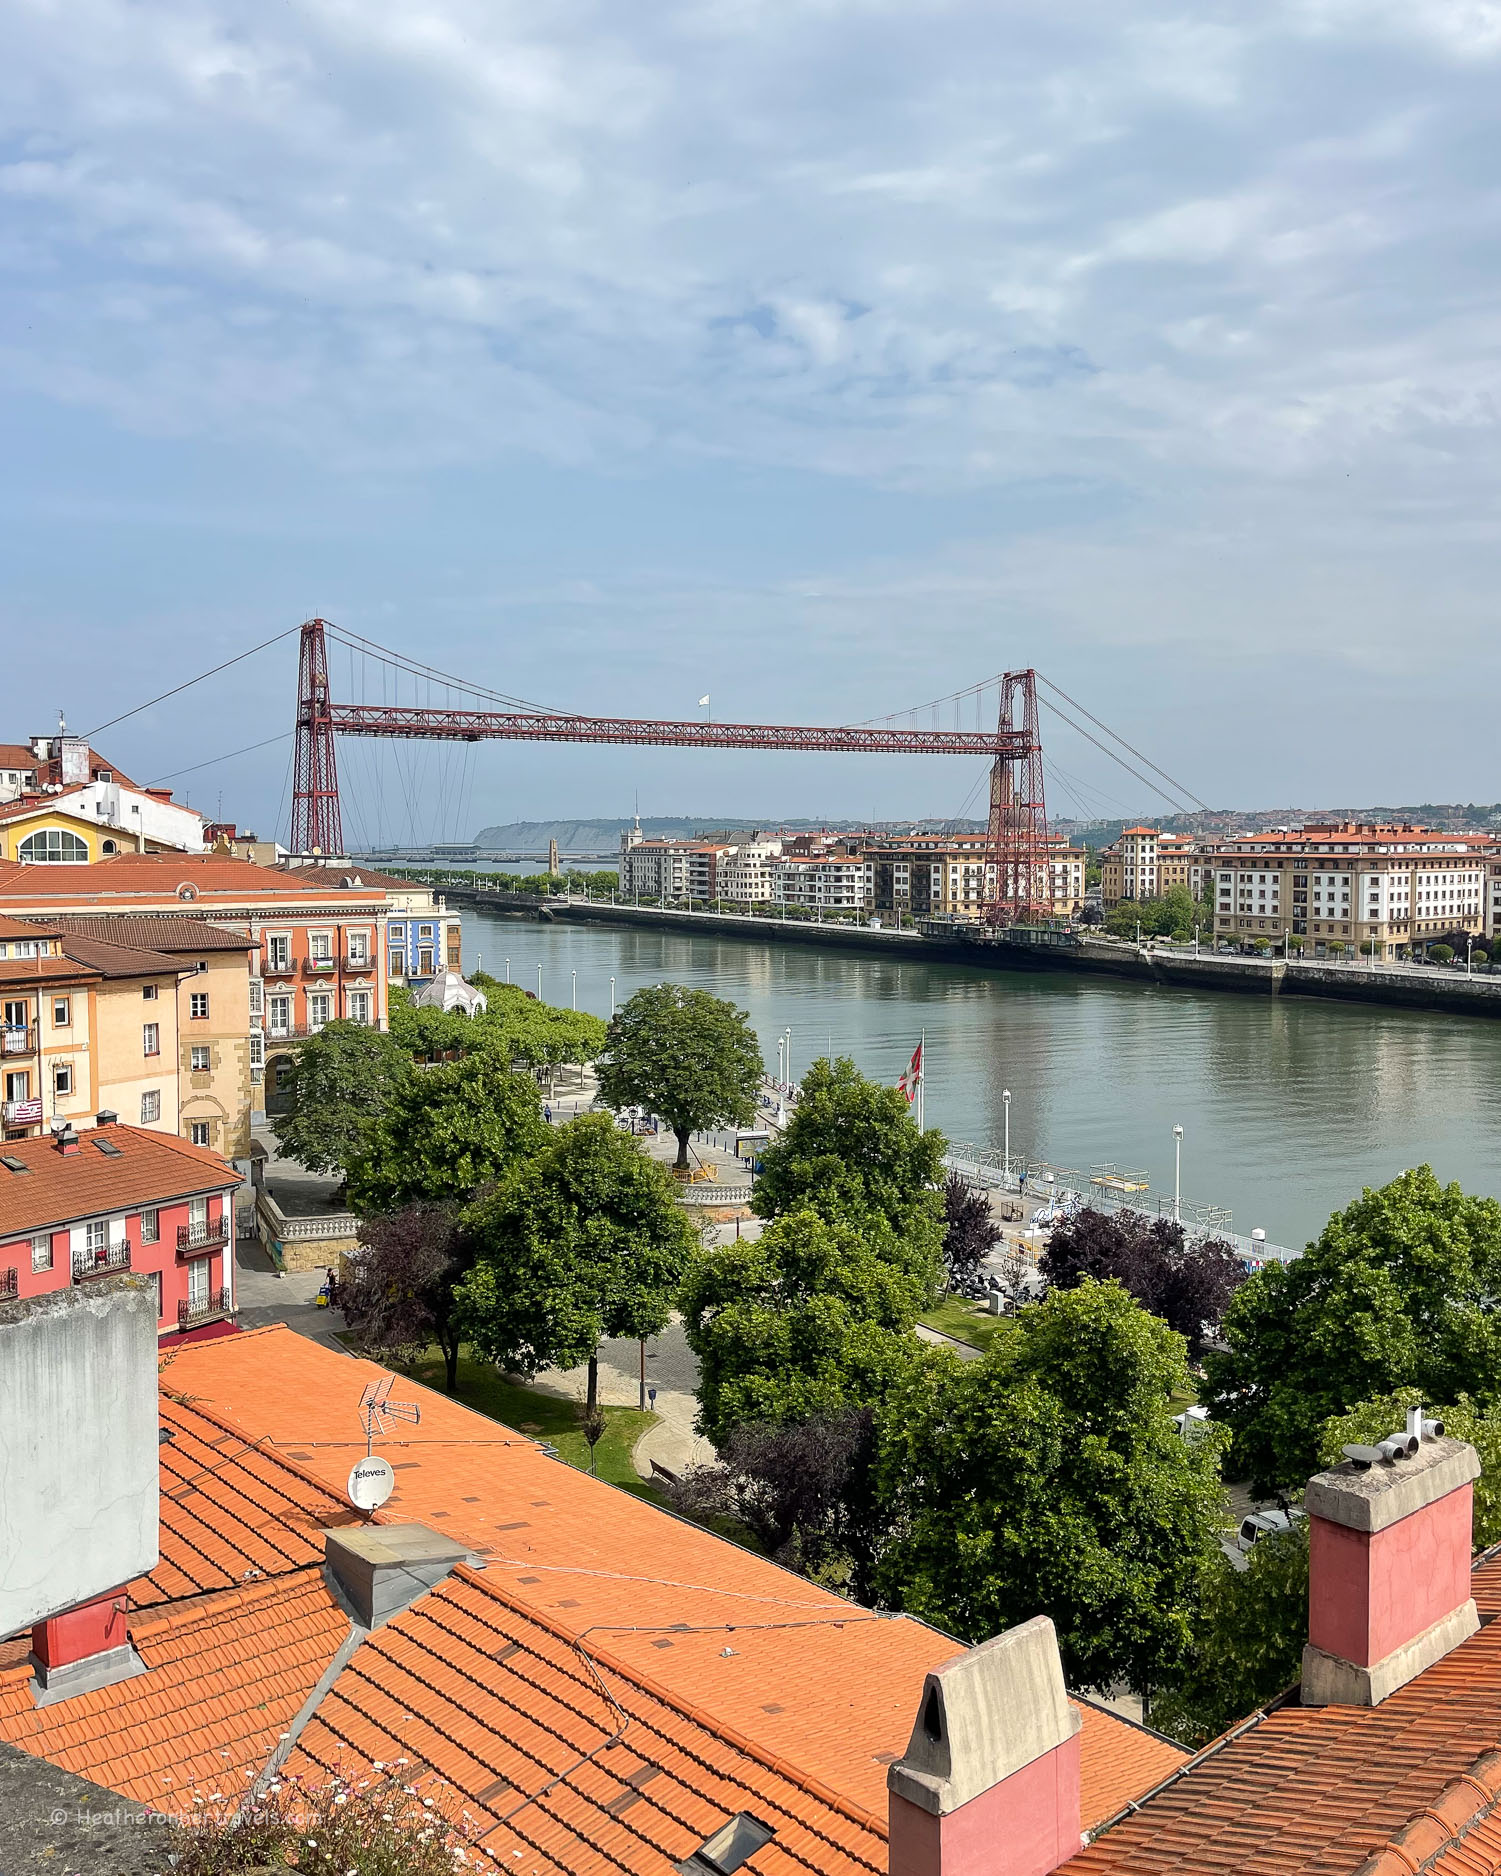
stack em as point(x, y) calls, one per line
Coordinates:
point(1184, 266)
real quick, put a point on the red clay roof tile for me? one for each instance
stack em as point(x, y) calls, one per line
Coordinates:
point(847, 1682)
point(149, 1169)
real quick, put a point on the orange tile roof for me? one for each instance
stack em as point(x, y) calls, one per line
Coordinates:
point(1322, 1789)
point(563, 1756)
point(156, 877)
point(26, 928)
point(231, 1512)
point(227, 1674)
point(813, 1681)
point(162, 932)
point(112, 960)
point(235, 1625)
point(23, 971)
point(150, 1169)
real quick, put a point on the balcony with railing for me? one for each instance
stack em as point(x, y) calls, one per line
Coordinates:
point(27, 1113)
point(107, 1261)
point(320, 967)
point(214, 1308)
point(211, 1235)
point(16, 1039)
point(279, 967)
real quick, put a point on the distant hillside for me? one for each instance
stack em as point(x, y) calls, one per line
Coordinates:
point(1448, 816)
point(603, 836)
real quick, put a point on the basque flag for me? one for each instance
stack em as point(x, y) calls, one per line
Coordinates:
point(910, 1082)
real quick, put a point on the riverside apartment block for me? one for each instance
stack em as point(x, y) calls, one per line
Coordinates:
point(1347, 886)
point(916, 875)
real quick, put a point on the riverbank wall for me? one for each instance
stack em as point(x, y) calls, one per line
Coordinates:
point(1401, 986)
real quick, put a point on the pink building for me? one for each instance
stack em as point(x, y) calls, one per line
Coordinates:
point(78, 1206)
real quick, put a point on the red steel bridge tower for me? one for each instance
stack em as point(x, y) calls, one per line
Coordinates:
point(1018, 844)
point(1018, 841)
point(317, 826)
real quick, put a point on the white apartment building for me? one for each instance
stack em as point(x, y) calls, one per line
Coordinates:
point(842, 882)
point(748, 872)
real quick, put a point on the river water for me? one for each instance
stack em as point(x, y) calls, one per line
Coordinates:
point(1288, 1106)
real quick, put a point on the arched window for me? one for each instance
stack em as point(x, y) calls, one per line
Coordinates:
point(108, 846)
point(52, 845)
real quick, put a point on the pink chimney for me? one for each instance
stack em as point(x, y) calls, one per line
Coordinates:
point(1389, 1549)
point(993, 1759)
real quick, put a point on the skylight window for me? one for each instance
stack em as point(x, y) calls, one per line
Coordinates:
point(730, 1846)
point(109, 1148)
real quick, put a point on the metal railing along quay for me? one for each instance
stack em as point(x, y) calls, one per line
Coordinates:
point(1106, 1188)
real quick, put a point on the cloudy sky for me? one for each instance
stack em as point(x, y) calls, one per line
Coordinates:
point(824, 357)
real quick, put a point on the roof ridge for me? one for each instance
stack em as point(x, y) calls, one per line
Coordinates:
point(732, 1735)
point(185, 1615)
point(1438, 1827)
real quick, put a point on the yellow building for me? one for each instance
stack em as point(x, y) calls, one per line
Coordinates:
point(213, 1017)
point(84, 1028)
point(40, 833)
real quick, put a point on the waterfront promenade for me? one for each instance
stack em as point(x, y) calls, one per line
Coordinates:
point(1092, 953)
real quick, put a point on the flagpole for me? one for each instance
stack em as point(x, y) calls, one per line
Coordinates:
point(922, 1076)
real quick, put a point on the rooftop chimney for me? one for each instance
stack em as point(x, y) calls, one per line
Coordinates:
point(1388, 1564)
point(78, 1454)
point(65, 1140)
point(383, 1568)
point(993, 1761)
point(106, 1117)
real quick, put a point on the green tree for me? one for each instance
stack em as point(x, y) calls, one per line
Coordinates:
point(1047, 1477)
point(851, 1149)
point(684, 1054)
point(448, 1132)
point(1399, 1290)
point(813, 1317)
point(529, 1034)
point(340, 1086)
point(1247, 1642)
point(584, 1241)
point(1372, 1420)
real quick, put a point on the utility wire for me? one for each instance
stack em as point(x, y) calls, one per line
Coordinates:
point(1122, 741)
point(368, 647)
point(178, 688)
point(1063, 716)
point(286, 736)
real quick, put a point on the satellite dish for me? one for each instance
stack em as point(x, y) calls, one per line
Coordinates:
point(371, 1483)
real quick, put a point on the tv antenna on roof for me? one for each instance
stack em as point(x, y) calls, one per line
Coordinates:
point(372, 1479)
point(377, 1407)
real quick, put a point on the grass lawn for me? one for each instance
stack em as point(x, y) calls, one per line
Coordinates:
point(958, 1317)
point(544, 1416)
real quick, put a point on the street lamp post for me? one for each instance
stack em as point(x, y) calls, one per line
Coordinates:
point(573, 988)
point(508, 970)
point(1469, 950)
point(1177, 1171)
point(612, 999)
point(788, 1034)
point(1006, 1110)
point(539, 983)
